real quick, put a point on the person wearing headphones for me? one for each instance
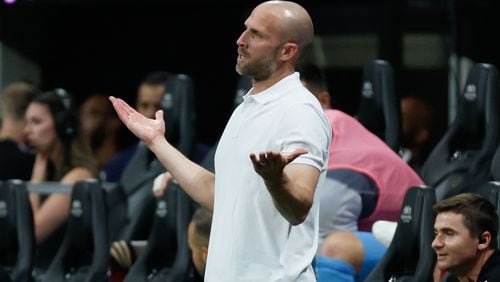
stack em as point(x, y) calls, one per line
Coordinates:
point(465, 242)
point(62, 155)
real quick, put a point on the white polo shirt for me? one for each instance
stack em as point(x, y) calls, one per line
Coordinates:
point(250, 240)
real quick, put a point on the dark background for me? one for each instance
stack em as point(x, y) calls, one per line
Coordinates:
point(109, 46)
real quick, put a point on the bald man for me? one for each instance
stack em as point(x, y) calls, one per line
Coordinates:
point(270, 158)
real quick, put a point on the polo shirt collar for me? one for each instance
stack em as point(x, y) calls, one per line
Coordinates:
point(273, 92)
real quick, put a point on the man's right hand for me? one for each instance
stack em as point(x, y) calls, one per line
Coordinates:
point(148, 130)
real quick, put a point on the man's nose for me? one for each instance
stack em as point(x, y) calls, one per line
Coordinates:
point(436, 243)
point(241, 40)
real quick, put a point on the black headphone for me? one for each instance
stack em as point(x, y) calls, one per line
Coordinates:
point(482, 240)
point(66, 121)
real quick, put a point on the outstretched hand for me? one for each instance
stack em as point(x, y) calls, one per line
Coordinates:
point(270, 164)
point(144, 128)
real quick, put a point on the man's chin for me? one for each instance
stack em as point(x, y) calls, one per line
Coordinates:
point(238, 70)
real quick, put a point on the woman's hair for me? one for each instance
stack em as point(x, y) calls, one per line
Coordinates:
point(76, 150)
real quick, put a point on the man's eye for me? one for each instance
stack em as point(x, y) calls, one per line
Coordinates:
point(257, 35)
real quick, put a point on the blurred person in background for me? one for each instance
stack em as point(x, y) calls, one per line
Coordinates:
point(149, 96)
point(366, 181)
point(418, 132)
point(62, 155)
point(16, 159)
point(100, 125)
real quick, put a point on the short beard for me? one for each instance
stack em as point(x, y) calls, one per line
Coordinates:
point(259, 70)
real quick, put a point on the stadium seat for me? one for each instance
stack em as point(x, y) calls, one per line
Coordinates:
point(379, 110)
point(462, 158)
point(17, 239)
point(84, 251)
point(410, 257)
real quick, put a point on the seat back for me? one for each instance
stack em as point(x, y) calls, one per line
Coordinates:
point(379, 110)
point(167, 256)
point(494, 197)
point(410, 256)
point(17, 239)
point(495, 166)
point(84, 252)
point(463, 155)
point(136, 203)
point(180, 113)
point(491, 191)
point(244, 84)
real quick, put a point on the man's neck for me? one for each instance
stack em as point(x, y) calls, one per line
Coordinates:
point(473, 273)
point(261, 85)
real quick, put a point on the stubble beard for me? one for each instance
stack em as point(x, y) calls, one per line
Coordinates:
point(258, 70)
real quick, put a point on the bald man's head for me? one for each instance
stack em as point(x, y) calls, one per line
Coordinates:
point(295, 24)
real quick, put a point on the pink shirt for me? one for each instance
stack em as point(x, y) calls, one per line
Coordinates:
point(354, 147)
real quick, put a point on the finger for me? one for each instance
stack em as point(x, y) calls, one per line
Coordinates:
point(263, 157)
point(272, 157)
point(119, 108)
point(158, 193)
point(126, 107)
point(293, 155)
point(168, 177)
point(159, 115)
point(122, 105)
point(159, 185)
point(254, 160)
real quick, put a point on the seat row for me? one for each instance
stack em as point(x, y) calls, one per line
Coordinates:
point(83, 254)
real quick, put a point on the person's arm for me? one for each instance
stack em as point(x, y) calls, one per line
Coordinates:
point(55, 210)
point(198, 182)
point(37, 176)
point(291, 186)
point(160, 184)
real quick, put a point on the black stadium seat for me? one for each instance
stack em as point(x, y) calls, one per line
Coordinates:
point(166, 256)
point(410, 257)
point(495, 165)
point(379, 110)
point(491, 191)
point(133, 202)
point(17, 239)
point(84, 251)
point(462, 158)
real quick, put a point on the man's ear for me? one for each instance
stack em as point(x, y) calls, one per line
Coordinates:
point(204, 253)
point(289, 50)
point(484, 240)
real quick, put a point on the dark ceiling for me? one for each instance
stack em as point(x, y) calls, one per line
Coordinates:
point(108, 46)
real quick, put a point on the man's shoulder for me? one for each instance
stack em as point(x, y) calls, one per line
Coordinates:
point(10, 147)
point(5, 143)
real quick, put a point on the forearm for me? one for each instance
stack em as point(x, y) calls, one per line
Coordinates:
point(51, 215)
point(198, 182)
point(291, 205)
point(35, 201)
point(292, 196)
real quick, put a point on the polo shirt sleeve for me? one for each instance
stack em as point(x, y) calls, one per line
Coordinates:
point(305, 126)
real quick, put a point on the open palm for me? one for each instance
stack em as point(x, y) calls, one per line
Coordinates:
point(144, 128)
point(270, 164)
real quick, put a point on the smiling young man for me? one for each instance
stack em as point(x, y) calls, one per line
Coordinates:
point(466, 230)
